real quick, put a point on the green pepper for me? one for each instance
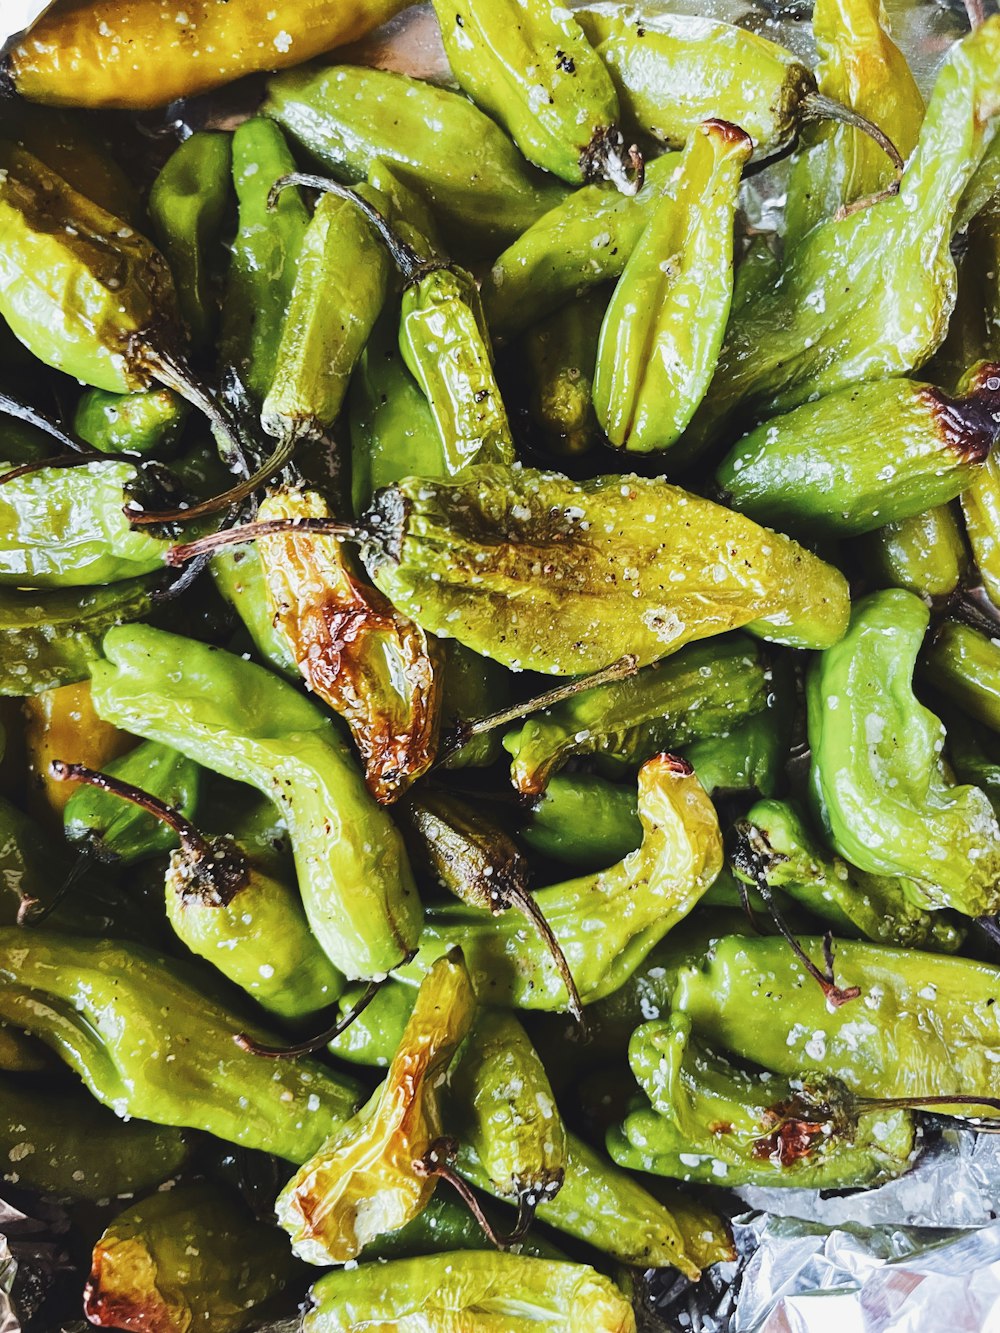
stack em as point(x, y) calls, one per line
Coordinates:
point(583, 821)
point(981, 502)
point(148, 422)
point(636, 901)
point(807, 471)
point(751, 757)
point(877, 779)
point(774, 844)
point(446, 1225)
point(465, 852)
point(476, 1292)
point(374, 1035)
point(654, 361)
point(364, 1180)
point(710, 1121)
point(188, 1258)
point(964, 664)
point(115, 831)
point(532, 69)
point(60, 1141)
point(973, 756)
point(868, 295)
point(50, 638)
point(702, 690)
point(253, 822)
point(149, 1043)
point(925, 554)
point(473, 686)
point(264, 255)
point(579, 243)
point(237, 719)
point(440, 145)
point(411, 217)
point(546, 574)
point(558, 356)
point(238, 574)
point(187, 207)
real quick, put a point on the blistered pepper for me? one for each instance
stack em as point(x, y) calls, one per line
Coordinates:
point(150, 421)
point(559, 355)
point(583, 821)
point(926, 554)
point(655, 361)
point(981, 501)
point(64, 724)
point(877, 779)
point(964, 664)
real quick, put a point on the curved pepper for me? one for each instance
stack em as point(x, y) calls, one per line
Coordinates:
point(559, 354)
point(926, 554)
point(810, 471)
point(713, 1122)
point(877, 778)
point(444, 148)
point(364, 1180)
point(636, 902)
point(965, 665)
point(148, 1043)
point(148, 422)
point(583, 821)
point(702, 690)
point(654, 361)
point(239, 720)
point(546, 574)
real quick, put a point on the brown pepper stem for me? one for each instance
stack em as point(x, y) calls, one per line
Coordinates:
point(12, 407)
point(56, 461)
point(916, 1103)
point(525, 903)
point(607, 158)
point(249, 532)
point(281, 456)
point(438, 1161)
point(193, 842)
point(817, 106)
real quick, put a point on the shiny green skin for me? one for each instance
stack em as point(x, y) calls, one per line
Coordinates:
point(529, 66)
point(50, 638)
point(925, 1025)
point(693, 1091)
point(703, 690)
point(583, 821)
point(265, 252)
point(149, 1043)
point(373, 1037)
point(578, 244)
point(981, 509)
point(501, 1105)
point(974, 331)
point(853, 903)
point(546, 574)
point(255, 824)
point(116, 830)
point(867, 296)
point(342, 276)
point(472, 1290)
point(965, 665)
point(973, 756)
point(440, 145)
point(191, 1254)
point(446, 346)
point(673, 71)
point(239, 576)
point(410, 215)
point(60, 1141)
point(751, 756)
point(148, 422)
point(926, 554)
point(187, 206)
point(558, 355)
point(474, 686)
point(64, 528)
point(877, 780)
point(812, 471)
point(77, 285)
point(447, 1225)
point(239, 720)
point(654, 361)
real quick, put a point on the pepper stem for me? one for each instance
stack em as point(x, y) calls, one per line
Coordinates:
point(56, 461)
point(817, 106)
point(438, 1161)
point(516, 895)
point(607, 158)
point(250, 532)
point(32, 911)
point(193, 842)
point(915, 1103)
point(12, 407)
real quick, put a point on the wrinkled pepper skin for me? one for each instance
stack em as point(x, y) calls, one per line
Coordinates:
point(981, 502)
point(537, 571)
point(852, 902)
point(148, 422)
point(239, 720)
point(877, 779)
point(869, 295)
point(442, 147)
point(87, 54)
point(64, 724)
point(637, 901)
point(654, 361)
point(529, 66)
point(711, 1122)
point(581, 242)
point(926, 554)
point(583, 821)
point(362, 1182)
point(965, 665)
point(559, 355)
point(703, 690)
point(750, 757)
point(59, 1141)
point(353, 649)
point(148, 1043)
point(811, 471)
point(925, 1025)
point(477, 1292)
point(464, 851)
point(188, 1258)
point(673, 71)
point(78, 286)
point(50, 638)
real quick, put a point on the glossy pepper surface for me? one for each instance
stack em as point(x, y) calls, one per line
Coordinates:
point(64, 724)
point(559, 356)
point(926, 554)
point(583, 821)
point(750, 757)
point(964, 664)
point(148, 422)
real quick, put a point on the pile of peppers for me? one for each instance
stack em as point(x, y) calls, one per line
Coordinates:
point(499, 670)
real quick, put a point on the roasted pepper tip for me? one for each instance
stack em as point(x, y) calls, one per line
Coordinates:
point(607, 158)
point(968, 426)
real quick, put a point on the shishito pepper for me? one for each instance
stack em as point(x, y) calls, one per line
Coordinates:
point(583, 821)
point(810, 471)
point(655, 360)
point(147, 422)
point(964, 664)
point(981, 501)
point(750, 757)
point(558, 357)
point(364, 1180)
point(64, 724)
point(245, 723)
point(184, 1259)
point(711, 1121)
point(137, 55)
point(926, 554)
point(877, 778)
